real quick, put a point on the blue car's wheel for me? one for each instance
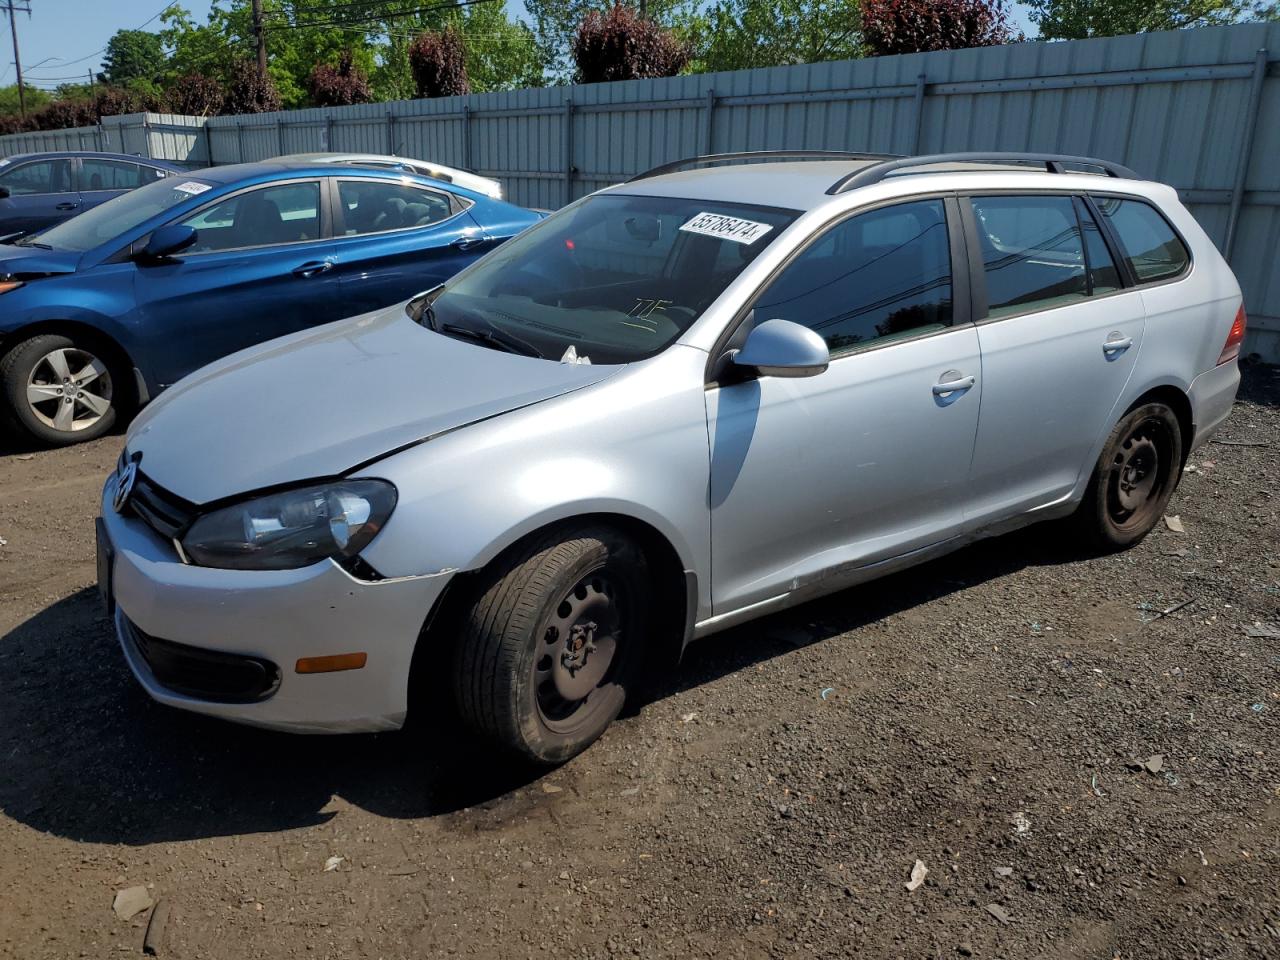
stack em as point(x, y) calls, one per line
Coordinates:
point(58, 391)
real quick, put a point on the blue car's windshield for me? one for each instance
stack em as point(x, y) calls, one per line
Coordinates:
point(616, 277)
point(107, 221)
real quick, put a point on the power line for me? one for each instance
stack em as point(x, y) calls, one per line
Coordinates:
point(285, 24)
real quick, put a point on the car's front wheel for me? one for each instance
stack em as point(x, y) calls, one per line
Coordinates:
point(1133, 479)
point(57, 390)
point(550, 650)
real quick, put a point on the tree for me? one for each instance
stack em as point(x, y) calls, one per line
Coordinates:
point(501, 53)
point(740, 34)
point(913, 26)
point(133, 55)
point(36, 98)
point(248, 92)
point(339, 86)
point(621, 45)
point(554, 25)
point(196, 95)
point(1077, 19)
point(438, 59)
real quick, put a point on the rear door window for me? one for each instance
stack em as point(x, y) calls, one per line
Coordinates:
point(879, 276)
point(1153, 250)
point(1032, 252)
point(376, 206)
point(115, 175)
point(286, 213)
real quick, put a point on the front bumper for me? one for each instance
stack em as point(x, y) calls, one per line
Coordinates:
point(278, 616)
point(1212, 395)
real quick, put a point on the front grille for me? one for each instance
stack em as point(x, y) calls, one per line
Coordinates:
point(167, 514)
point(205, 674)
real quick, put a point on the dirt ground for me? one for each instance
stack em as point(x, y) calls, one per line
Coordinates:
point(979, 714)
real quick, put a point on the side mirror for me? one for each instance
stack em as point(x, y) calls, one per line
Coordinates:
point(168, 240)
point(783, 348)
point(4, 193)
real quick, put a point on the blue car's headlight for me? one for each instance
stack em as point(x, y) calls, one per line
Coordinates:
point(295, 528)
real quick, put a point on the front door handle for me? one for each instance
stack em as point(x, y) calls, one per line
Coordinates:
point(945, 388)
point(1116, 345)
point(466, 243)
point(66, 206)
point(313, 268)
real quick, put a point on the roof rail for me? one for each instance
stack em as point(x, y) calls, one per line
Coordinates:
point(762, 155)
point(1053, 163)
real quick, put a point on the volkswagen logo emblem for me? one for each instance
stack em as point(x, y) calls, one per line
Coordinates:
point(125, 479)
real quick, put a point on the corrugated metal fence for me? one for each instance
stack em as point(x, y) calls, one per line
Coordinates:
point(1199, 109)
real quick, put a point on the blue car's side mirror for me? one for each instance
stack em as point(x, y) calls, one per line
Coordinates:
point(167, 241)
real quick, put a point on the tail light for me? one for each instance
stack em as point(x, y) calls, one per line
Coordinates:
point(1231, 349)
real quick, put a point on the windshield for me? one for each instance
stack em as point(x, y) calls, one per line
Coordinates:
point(613, 279)
point(105, 222)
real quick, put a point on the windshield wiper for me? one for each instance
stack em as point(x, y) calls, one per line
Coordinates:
point(32, 243)
point(490, 338)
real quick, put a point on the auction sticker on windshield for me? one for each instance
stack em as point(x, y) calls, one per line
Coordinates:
point(191, 187)
point(727, 228)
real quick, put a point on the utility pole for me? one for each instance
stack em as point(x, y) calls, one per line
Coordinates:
point(260, 38)
point(13, 8)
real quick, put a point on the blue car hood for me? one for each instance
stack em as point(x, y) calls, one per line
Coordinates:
point(33, 260)
point(318, 403)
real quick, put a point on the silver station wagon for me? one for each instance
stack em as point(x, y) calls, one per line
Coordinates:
point(682, 402)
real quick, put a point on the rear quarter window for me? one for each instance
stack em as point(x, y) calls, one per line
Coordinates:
point(1150, 245)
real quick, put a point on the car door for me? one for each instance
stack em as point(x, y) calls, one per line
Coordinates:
point(866, 461)
point(41, 193)
point(394, 238)
point(1059, 333)
point(101, 179)
point(260, 268)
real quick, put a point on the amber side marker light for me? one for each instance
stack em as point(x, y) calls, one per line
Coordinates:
point(7, 285)
point(339, 661)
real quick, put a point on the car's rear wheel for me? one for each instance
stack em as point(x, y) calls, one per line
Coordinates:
point(59, 391)
point(1133, 479)
point(550, 650)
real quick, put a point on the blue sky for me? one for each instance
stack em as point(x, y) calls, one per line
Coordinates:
point(63, 39)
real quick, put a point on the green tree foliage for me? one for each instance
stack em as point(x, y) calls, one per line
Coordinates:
point(133, 55)
point(1078, 19)
point(9, 104)
point(914, 26)
point(740, 34)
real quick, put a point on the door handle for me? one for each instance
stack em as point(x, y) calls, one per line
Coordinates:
point(1116, 344)
point(66, 206)
point(944, 388)
point(313, 269)
point(466, 243)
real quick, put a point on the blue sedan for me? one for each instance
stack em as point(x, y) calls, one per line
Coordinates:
point(100, 313)
point(38, 190)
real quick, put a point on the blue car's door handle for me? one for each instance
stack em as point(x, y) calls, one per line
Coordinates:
point(947, 387)
point(313, 268)
point(66, 206)
point(466, 243)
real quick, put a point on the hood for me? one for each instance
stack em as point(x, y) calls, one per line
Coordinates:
point(318, 403)
point(33, 262)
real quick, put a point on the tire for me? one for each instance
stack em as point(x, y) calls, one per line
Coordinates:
point(59, 391)
point(1135, 476)
point(552, 646)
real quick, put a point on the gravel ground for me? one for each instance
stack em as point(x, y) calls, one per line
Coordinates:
point(980, 714)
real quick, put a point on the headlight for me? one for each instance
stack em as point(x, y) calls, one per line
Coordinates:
point(292, 529)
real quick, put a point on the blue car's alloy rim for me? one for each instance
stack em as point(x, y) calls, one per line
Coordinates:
point(69, 389)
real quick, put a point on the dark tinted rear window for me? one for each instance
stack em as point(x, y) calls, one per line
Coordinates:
point(1153, 250)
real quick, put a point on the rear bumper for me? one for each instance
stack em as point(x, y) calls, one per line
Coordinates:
point(1212, 394)
point(276, 616)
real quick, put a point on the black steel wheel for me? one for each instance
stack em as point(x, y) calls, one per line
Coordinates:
point(1134, 478)
point(552, 646)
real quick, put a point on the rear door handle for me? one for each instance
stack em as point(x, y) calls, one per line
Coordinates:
point(944, 388)
point(1116, 344)
point(466, 243)
point(66, 206)
point(313, 269)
